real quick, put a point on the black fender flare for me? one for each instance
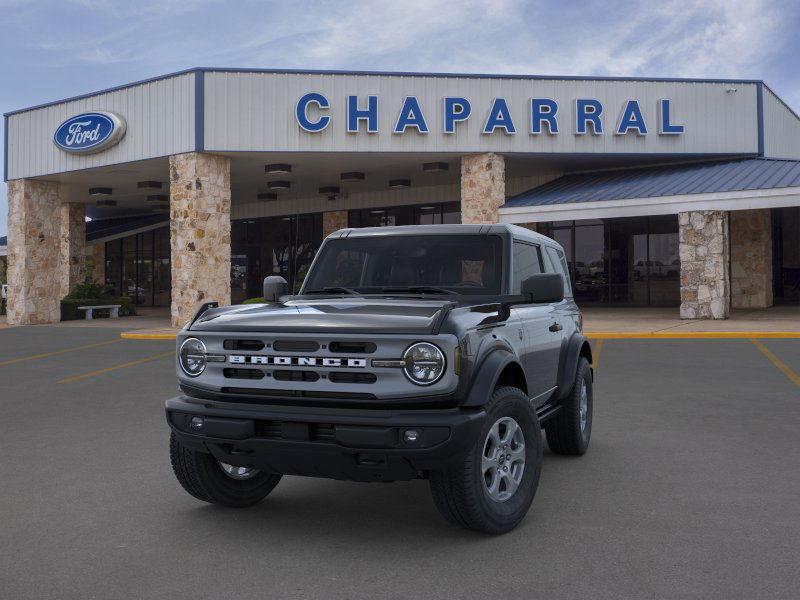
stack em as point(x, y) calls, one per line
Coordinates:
point(486, 375)
point(570, 352)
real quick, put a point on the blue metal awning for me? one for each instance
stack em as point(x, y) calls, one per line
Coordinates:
point(671, 180)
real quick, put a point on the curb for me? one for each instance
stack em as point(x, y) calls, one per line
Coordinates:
point(599, 335)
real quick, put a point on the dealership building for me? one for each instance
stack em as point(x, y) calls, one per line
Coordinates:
point(663, 192)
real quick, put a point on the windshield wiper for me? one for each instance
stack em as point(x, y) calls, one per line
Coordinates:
point(418, 289)
point(332, 290)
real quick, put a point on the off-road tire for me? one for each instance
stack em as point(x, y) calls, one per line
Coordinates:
point(564, 432)
point(200, 475)
point(459, 492)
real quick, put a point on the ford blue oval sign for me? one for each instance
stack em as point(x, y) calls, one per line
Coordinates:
point(90, 132)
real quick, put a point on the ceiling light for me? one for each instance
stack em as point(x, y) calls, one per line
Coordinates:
point(399, 183)
point(279, 185)
point(100, 191)
point(329, 189)
point(278, 168)
point(267, 196)
point(352, 176)
point(149, 185)
point(427, 208)
point(106, 203)
point(158, 198)
point(435, 167)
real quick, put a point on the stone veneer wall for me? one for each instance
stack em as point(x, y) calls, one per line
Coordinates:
point(72, 241)
point(703, 247)
point(33, 252)
point(751, 258)
point(200, 232)
point(333, 221)
point(96, 259)
point(483, 187)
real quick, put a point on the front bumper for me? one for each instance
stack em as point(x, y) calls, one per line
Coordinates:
point(351, 444)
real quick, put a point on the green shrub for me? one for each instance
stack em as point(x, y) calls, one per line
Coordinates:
point(254, 301)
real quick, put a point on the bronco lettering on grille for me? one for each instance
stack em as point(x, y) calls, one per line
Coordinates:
point(297, 361)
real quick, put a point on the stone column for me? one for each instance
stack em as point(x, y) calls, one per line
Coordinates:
point(751, 258)
point(483, 187)
point(200, 232)
point(33, 252)
point(96, 257)
point(72, 246)
point(333, 221)
point(703, 247)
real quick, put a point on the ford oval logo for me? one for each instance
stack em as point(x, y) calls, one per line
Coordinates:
point(90, 132)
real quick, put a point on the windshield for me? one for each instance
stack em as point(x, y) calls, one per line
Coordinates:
point(420, 264)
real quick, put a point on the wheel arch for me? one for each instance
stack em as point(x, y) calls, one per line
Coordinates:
point(576, 348)
point(500, 367)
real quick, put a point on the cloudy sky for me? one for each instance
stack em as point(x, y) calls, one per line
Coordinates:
point(60, 48)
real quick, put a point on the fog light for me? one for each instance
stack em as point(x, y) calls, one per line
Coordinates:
point(196, 423)
point(411, 436)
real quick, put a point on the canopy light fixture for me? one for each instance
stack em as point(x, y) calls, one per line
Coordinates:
point(100, 191)
point(399, 183)
point(158, 198)
point(279, 185)
point(435, 167)
point(329, 189)
point(427, 208)
point(149, 185)
point(267, 196)
point(106, 203)
point(278, 168)
point(352, 176)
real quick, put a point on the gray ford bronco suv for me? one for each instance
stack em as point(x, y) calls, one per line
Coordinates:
point(425, 352)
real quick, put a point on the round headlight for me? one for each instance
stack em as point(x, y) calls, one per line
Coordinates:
point(424, 363)
point(192, 357)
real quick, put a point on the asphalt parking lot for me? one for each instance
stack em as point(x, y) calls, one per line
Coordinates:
point(691, 489)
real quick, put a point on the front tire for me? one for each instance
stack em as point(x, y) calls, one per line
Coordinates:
point(569, 431)
point(491, 488)
point(209, 480)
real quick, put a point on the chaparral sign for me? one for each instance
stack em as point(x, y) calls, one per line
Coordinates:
point(544, 116)
point(90, 132)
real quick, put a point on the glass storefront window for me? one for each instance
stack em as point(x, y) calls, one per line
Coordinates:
point(424, 214)
point(621, 261)
point(138, 266)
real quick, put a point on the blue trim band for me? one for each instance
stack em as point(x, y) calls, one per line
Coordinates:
point(760, 117)
point(383, 74)
point(199, 110)
point(5, 148)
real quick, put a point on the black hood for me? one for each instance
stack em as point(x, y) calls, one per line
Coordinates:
point(329, 315)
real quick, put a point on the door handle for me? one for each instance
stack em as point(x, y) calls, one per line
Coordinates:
point(555, 327)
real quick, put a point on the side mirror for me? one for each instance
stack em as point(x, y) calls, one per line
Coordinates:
point(275, 286)
point(544, 288)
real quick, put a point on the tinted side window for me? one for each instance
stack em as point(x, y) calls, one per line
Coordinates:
point(559, 262)
point(527, 262)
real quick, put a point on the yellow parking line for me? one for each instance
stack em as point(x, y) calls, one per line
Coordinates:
point(132, 363)
point(598, 348)
point(781, 366)
point(127, 335)
point(54, 353)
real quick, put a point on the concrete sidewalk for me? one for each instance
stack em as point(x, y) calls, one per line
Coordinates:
point(664, 321)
